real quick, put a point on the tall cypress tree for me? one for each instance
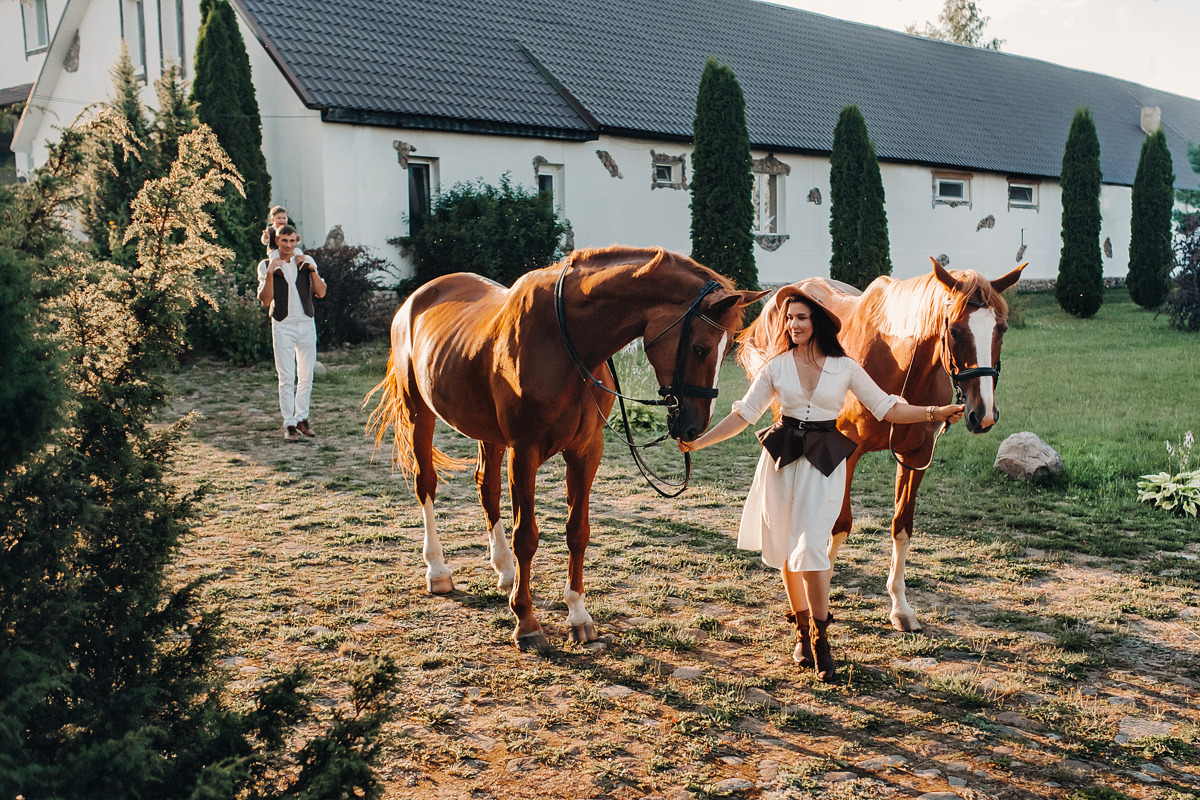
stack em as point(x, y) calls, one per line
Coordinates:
point(1150, 254)
point(176, 115)
point(1080, 285)
point(119, 169)
point(857, 220)
point(224, 94)
point(722, 183)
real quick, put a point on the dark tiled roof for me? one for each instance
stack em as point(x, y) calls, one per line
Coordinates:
point(15, 94)
point(570, 68)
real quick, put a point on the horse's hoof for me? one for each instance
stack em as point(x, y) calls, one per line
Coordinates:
point(582, 633)
point(906, 624)
point(442, 584)
point(532, 641)
point(505, 582)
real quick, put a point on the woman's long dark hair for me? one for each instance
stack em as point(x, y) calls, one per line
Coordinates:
point(824, 333)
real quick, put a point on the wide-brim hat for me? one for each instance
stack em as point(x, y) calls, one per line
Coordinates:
point(812, 291)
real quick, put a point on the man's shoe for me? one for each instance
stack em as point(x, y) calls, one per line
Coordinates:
point(291, 434)
point(302, 426)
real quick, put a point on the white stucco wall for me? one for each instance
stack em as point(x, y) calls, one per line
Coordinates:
point(16, 66)
point(366, 192)
point(60, 97)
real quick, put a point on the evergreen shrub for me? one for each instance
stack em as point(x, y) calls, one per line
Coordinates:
point(351, 276)
point(722, 180)
point(499, 232)
point(857, 219)
point(1182, 305)
point(1080, 285)
point(1150, 256)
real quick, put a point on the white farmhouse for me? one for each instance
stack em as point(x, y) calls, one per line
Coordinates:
point(369, 106)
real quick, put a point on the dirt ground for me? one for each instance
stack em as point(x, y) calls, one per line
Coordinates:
point(1038, 675)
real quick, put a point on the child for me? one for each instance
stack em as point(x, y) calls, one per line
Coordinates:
point(278, 217)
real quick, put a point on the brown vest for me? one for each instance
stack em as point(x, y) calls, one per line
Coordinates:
point(279, 306)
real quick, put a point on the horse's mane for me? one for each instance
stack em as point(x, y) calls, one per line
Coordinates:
point(652, 258)
point(919, 306)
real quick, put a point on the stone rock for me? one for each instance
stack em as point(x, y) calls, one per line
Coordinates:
point(1074, 766)
point(1122, 700)
point(320, 370)
point(1131, 728)
point(759, 697)
point(687, 674)
point(1024, 456)
point(916, 664)
point(735, 785)
point(522, 765)
point(695, 635)
point(1019, 721)
point(928, 773)
point(839, 777)
point(957, 783)
point(616, 691)
point(939, 796)
point(768, 770)
point(879, 763)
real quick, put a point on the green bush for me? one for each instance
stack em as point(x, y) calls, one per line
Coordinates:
point(1183, 302)
point(238, 329)
point(351, 276)
point(498, 232)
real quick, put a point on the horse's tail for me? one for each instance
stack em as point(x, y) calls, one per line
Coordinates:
point(392, 412)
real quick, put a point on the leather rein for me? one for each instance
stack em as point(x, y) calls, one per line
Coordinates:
point(956, 376)
point(669, 396)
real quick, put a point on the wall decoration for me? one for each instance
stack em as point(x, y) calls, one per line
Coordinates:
point(403, 151)
point(814, 196)
point(987, 222)
point(609, 163)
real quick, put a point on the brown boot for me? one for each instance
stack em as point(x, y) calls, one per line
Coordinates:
point(803, 654)
point(826, 669)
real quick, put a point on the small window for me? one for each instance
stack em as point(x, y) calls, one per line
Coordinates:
point(1022, 194)
point(767, 196)
point(133, 31)
point(37, 26)
point(951, 189)
point(670, 172)
point(546, 185)
point(170, 34)
point(420, 198)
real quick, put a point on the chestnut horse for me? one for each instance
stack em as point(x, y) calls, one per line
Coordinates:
point(928, 339)
point(499, 366)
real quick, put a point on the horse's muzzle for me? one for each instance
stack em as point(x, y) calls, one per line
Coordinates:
point(974, 421)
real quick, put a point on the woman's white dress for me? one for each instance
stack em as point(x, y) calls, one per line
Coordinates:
point(790, 511)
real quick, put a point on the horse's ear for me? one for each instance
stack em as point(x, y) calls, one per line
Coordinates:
point(735, 300)
point(1000, 284)
point(943, 275)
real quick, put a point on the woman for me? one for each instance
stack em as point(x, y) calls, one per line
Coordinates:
point(800, 481)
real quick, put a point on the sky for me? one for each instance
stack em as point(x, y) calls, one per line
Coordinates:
point(1151, 42)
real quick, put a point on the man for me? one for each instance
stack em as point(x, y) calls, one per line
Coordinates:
point(287, 285)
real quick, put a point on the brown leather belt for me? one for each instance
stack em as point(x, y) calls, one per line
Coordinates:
point(819, 441)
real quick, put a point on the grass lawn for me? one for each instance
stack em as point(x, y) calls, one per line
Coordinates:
point(1061, 655)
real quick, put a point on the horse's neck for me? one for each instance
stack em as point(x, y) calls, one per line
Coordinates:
point(604, 313)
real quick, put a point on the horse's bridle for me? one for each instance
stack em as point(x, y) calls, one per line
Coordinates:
point(669, 396)
point(951, 367)
point(956, 376)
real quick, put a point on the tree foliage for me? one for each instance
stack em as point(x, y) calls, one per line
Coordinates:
point(960, 22)
point(352, 276)
point(1080, 285)
point(857, 219)
point(225, 101)
point(1183, 301)
point(498, 232)
point(722, 181)
point(1150, 252)
point(119, 168)
point(109, 677)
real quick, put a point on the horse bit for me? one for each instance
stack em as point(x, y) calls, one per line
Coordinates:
point(956, 375)
point(669, 396)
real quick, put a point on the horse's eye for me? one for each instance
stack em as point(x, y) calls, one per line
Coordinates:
point(701, 351)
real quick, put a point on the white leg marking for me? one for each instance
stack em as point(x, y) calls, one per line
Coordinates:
point(712, 408)
point(903, 616)
point(577, 613)
point(437, 574)
point(983, 326)
point(502, 557)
